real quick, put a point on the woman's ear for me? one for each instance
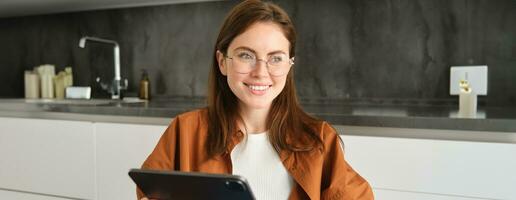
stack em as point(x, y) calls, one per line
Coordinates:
point(222, 64)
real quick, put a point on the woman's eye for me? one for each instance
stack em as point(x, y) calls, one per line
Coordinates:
point(276, 59)
point(246, 56)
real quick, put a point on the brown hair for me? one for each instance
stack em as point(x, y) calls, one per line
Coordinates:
point(285, 118)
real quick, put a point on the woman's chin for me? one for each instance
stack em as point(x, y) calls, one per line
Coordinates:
point(259, 105)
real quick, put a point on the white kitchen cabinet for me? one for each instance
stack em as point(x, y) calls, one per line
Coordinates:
point(49, 157)
point(13, 195)
point(401, 167)
point(382, 194)
point(121, 147)
point(60, 159)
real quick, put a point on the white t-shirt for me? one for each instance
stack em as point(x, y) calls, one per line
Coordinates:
point(256, 160)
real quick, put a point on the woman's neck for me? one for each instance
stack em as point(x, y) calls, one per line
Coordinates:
point(255, 120)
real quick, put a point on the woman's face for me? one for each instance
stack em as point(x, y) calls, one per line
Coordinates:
point(256, 85)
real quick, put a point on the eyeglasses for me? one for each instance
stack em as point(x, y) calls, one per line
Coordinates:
point(277, 64)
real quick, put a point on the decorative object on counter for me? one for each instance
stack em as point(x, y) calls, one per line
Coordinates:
point(62, 80)
point(145, 86)
point(116, 85)
point(31, 85)
point(74, 92)
point(467, 100)
point(46, 76)
point(68, 80)
point(60, 83)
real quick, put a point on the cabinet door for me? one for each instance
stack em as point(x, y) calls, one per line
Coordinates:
point(52, 157)
point(453, 168)
point(382, 194)
point(13, 195)
point(121, 147)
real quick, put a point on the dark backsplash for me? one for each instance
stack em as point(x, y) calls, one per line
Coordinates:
point(347, 49)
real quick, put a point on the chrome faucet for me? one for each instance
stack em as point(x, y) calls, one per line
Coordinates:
point(116, 85)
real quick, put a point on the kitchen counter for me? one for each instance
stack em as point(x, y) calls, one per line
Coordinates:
point(371, 113)
point(377, 114)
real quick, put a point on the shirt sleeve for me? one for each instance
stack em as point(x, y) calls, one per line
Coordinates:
point(164, 154)
point(340, 181)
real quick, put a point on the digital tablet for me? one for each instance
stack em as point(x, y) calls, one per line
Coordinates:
point(190, 185)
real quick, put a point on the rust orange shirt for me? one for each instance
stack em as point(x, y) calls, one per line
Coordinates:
point(318, 174)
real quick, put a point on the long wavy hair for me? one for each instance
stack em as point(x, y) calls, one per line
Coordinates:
point(286, 119)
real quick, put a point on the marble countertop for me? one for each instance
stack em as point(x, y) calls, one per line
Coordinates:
point(371, 113)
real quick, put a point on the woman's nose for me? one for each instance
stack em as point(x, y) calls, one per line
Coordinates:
point(260, 68)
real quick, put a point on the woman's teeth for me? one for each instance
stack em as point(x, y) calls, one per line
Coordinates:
point(258, 87)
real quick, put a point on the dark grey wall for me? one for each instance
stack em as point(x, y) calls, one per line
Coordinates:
point(395, 49)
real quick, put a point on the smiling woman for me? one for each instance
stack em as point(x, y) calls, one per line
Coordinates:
point(253, 125)
point(255, 83)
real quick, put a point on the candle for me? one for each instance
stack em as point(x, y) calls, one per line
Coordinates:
point(467, 101)
point(31, 85)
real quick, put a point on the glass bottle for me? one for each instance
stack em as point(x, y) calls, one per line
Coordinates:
point(144, 86)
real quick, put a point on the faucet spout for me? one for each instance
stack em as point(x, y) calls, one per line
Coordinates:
point(82, 42)
point(116, 86)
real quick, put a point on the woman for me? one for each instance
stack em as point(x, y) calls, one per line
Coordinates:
point(253, 125)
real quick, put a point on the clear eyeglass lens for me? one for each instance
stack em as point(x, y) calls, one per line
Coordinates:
point(278, 60)
point(246, 57)
point(278, 64)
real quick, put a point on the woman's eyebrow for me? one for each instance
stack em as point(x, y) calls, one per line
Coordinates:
point(253, 51)
point(276, 52)
point(245, 48)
